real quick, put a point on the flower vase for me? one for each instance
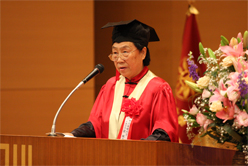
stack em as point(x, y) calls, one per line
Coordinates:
point(238, 158)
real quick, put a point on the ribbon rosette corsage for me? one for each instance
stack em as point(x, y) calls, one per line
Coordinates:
point(132, 109)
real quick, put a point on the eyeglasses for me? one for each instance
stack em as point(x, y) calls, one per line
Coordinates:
point(123, 55)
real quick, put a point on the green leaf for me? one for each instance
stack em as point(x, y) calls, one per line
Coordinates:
point(201, 48)
point(224, 40)
point(185, 111)
point(195, 124)
point(192, 116)
point(206, 72)
point(211, 53)
point(245, 40)
point(204, 134)
point(214, 137)
point(199, 58)
point(232, 133)
point(212, 125)
point(239, 40)
point(239, 146)
point(214, 73)
point(193, 86)
point(222, 43)
point(206, 108)
point(207, 114)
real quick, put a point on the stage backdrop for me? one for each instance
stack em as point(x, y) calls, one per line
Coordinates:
point(47, 47)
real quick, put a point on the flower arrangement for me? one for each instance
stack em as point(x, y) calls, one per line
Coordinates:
point(220, 106)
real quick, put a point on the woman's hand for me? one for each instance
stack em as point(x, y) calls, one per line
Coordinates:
point(68, 135)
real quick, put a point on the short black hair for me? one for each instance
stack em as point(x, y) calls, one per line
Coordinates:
point(146, 61)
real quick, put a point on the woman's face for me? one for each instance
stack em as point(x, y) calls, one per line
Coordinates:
point(133, 64)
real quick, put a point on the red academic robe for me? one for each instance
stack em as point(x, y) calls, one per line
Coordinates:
point(158, 109)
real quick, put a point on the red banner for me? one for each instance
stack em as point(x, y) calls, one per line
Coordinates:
point(183, 93)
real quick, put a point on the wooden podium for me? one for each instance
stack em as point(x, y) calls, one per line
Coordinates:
point(44, 150)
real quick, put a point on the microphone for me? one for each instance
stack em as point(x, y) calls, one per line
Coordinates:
point(98, 69)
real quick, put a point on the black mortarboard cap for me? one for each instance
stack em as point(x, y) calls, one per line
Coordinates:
point(132, 30)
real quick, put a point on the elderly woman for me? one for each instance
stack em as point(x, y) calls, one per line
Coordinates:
point(135, 104)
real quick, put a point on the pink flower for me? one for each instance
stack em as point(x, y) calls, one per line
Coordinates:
point(205, 94)
point(193, 110)
point(233, 93)
point(222, 88)
point(234, 76)
point(200, 119)
point(207, 122)
point(240, 36)
point(216, 97)
point(203, 121)
point(242, 119)
point(236, 111)
point(241, 66)
point(131, 107)
point(227, 113)
point(235, 51)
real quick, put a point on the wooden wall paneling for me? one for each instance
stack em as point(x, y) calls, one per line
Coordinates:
point(32, 112)
point(46, 43)
point(47, 48)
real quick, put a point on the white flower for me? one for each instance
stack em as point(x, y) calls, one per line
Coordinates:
point(228, 61)
point(216, 106)
point(203, 82)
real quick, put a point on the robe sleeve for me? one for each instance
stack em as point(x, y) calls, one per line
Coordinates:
point(96, 113)
point(158, 135)
point(84, 130)
point(93, 127)
point(164, 115)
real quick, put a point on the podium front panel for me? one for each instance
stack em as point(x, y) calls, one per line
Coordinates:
point(44, 150)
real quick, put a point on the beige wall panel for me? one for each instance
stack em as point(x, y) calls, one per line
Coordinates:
point(31, 112)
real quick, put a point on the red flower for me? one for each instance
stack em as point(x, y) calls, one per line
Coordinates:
point(131, 107)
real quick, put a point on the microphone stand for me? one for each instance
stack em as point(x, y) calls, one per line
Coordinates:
point(53, 133)
point(98, 69)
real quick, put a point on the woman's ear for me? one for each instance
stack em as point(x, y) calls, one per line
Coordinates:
point(143, 52)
